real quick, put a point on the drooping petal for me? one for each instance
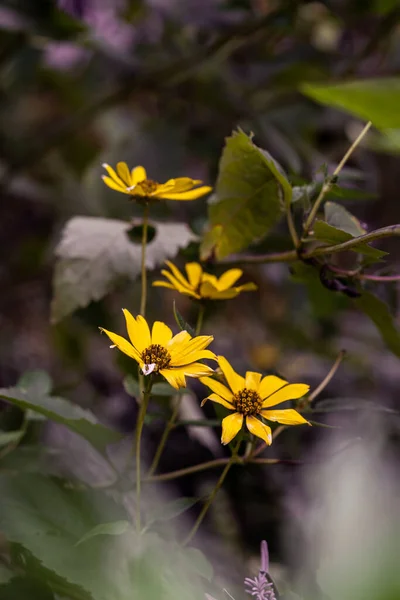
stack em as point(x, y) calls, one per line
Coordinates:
point(124, 173)
point(138, 174)
point(246, 287)
point(259, 429)
point(163, 284)
point(287, 416)
point(182, 289)
point(218, 400)
point(160, 333)
point(217, 387)
point(252, 380)
point(289, 392)
point(113, 175)
point(229, 278)
point(194, 272)
point(270, 384)
point(143, 340)
point(114, 185)
point(197, 369)
point(122, 344)
point(235, 381)
point(178, 275)
point(231, 426)
point(191, 195)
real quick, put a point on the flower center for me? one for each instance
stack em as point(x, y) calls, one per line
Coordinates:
point(156, 355)
point(247, 402)
point(148, 186)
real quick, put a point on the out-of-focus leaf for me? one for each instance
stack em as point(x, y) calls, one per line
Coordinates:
point(9, 437)
point(6, 575)
point(172, 509)
point(249, 199)
point(380, 315)
point(32, 392)
point(338, 216)
point(22, 587)
point(323, 301)
point(331, 235)
point(131, 386)
point(114, 528)
point(95, 253)
point(199, 562)
point(375, 100)
point(180, 321)
point(47, 519)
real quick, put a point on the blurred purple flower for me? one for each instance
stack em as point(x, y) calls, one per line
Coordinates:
point(261, 587)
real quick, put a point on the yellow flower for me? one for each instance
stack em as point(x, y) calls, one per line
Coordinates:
point(135, 183)
point(251, 397)
point(158, 352)
point(200, 285)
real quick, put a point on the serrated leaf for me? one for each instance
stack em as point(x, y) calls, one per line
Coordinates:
point(180, 321)
point(114, 528)
point(380, 315)
point(331, 235)
point(94, 254)
point(83, 422)
point(375, 100)
point(250, 196)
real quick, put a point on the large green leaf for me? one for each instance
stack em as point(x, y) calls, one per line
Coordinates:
point(380, 314)
point(33, 392)
point(94, 254)
point(249, 199)
point(375, 100)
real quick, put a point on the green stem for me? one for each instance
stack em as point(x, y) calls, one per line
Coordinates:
point(169, 426)
point(210, 499)
point(291, 226)
point(327, 378)
point(138, 438)
point(200, 318)
point(143, 297)
point(330, 181)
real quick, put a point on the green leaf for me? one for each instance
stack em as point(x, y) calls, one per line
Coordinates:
point(180, 321)
point(31, 393)
point(94, 254)
point(375, 100)
point(338, 216)
point(324, 303)
point(47, 519)
point(249, 199)
point(21, 588)
point(380, 315)
point(114, 528)
point(171, 510)
point(9, 437)
point(331, 235)
point(196, 559)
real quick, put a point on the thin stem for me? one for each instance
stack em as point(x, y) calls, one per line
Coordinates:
point(330, 181)
point(328, 377)
point(138, 439)
point(363, 276)
point(143, 297)
point(200, 318)
point(211, 464)
point(210, 499)
point(291, 226)
point(168, 428)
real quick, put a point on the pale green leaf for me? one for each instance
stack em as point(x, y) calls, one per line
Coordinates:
point(375, 100)
point(338, 216)
point(113, 528)
point(94, 254)
point(250, 197)
point(331, 235)
point(380, 315)
point(197, 560)
point(30, 394)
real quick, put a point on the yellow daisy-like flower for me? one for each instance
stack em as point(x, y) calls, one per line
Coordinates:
point(199, 284)
point(135, 183)
point(158, 352)
point(251, 397)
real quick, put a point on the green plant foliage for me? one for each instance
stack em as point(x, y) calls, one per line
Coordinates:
point(114, 528)
point(33, 391)
point(94, 254)
point(250, 196)
point(375, 100)
point(25, 587)
point(324, 232)
point(380, 314)
point(338, 216)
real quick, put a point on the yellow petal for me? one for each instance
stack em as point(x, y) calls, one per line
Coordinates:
point(289, 392)
point(217, 387)
point(194, 272)
point(179, 340)
point(270, 384)
point(113, 175)
point(252, 380)
point(113, 185)
point(124, 173)
point(183, 184)
point(200, 342)
point(122, 344)
point(178, 275)
point(163, 284)
point(229, 278)
point(210, 279)
point(182, 289)
point(192, 195)
point(174, 377)
point(138, 174)
point(288, 416)
point(143, 339)
point(246, 287)
point(235, 381)
point(196, 369)
point(132, 329)
point(208, 290)
point(160, 333)
point(192, 357)
point(231, 426)
point(259, 429)
point(218, 400)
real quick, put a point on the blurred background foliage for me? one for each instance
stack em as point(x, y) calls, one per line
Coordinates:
point(161, 83)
